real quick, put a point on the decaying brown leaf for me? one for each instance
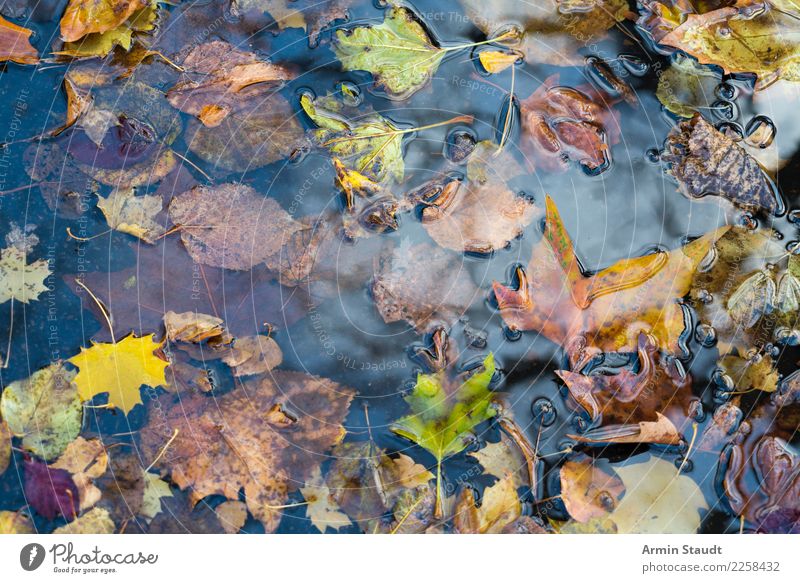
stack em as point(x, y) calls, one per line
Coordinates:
point(707, 162)
point(86, 460)
point(265, 437)
point(218, 78)
point(15, 44)
point(500, 507)
point(589, 488)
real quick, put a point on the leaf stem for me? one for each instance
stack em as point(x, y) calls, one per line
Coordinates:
point(437, 508)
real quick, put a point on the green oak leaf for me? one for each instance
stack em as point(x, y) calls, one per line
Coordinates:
point(45, 410)
point(398, 52)
point(444, 412)
point(372, 144)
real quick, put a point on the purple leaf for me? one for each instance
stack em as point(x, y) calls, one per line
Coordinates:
point(50, 491)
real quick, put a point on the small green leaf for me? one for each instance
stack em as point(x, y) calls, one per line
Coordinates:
point(398, 52)
point(687, 87)
point(373, 145)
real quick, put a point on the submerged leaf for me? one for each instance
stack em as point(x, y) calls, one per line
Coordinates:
point(687, 87)
point(96, 521)
point(15, 44)
point(20, 280)
point(500, 507)
point(94, 28)
point(588, 489)
point(131, 214)
point(322, 510)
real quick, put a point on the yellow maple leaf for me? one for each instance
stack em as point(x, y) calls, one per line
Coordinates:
point(120, 370)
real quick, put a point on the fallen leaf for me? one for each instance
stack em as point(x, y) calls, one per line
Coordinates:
point(15, 523)
point(372, 144)
point(747, 37)
point(154, 490)
point(707, 162)
point(94, 28)
point(192, 327)
point(589, 488)
point(44, 410)
point(232, 515)
point(50, 492)
point(445, 411)
point(417, 284)
point(322, 510)
point(85, 460)
point(230, 225)
point(687, 87)
point(500, 507)
point(662, 431)
point(219, 77)
point(562, 124)
point(547, 30)
point(607, 310)
point(757, 373)
point(398, 52)
point(266, 437)
point(497, 61)
point(368, 208)
point(252, 355)
point(135, 215)
point(311, 15)
point(480, 215)
point(119, 369)
point(15, 44)
point(96, 521)
point(20, 280)
point(5, 447)
point(503, 458)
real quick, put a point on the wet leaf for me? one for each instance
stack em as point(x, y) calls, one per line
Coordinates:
point(371, 144)
point(747, 37)
point(15, 523)
point(562, 124)
point(154, 490)
point(15, 44)
point(45, 410)
point(687, 87)
point(417, 284)
point(480, 215)
point(503, 458)
point(119, 369)
point(230, 225)
point(135, 215)
point(96, 521)
point(218, 78)
point(589, 489)
point(500, 507)
point(5, 446)
point(751, 374)
point(322, 510)
point(549, 28)
point(606, 310)
point(369, 208)
point(398, 52)
point(85, 460)
point(20, 280)
point(707, 162)
point(266, 437)
point(497, 61)
point(252, 355)
point(192, 327)
point(232, 515)
point(311, 15)
point(662, 431)
point(94, 29)
point(50, 492)
point(445, 411)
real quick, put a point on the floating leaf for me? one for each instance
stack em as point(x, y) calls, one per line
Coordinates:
point(497, 61)
point(232, 515)
point(398, 52)
point(94, 29)
point(5, 447)
point(50, 492)
point(96, 521)
point(373, 143)
point(45, 410)
point(131, 214)
point(589, 489)
point(687, 87)
point(707, 162)
point(311, 15)
point(85, 460)
point(500, 507)
point(119, 369)
point(20, 280)
point(576, 310)
point(445, 411)
point(15, 44)
point(15, 523)
point(751, 374)
point(154, 490)
point(322, 510)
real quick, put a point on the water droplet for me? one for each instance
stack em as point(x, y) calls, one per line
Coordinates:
point(459, 145)
point(684, 465)
point(634, 65)
point(725, 110)
point(722, 396)
point(705, 296)
point(748, 221)
point(706, 335)
point(724, 32)
point(653, 155)
point(760, 132)
point(794, 216)
point(580, 424)
point(544, 412)
point(725, 91)
point(606, 500)
point(696, 411)
point(724, 382)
